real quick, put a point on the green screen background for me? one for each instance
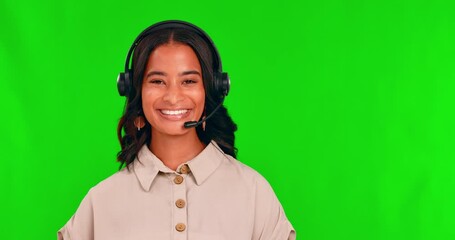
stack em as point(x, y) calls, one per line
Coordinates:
point(346, 107)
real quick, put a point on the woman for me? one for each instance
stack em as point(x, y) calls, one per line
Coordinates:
point(181, 180)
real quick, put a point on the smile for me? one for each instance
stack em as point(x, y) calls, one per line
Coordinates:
point(174, 112)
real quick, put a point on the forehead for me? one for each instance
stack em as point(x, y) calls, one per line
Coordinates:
point(173, 56)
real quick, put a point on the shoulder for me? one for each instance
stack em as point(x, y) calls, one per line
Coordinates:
point(117, 182)
point(270, 219)
point(246, 173)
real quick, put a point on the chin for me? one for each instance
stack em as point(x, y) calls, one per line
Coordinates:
point(177, 133)
point(175, 130)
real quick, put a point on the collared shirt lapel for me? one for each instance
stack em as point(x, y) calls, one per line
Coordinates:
point(146, 167)
point(204, 164)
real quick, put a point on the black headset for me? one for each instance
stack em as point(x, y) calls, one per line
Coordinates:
point(221, 82)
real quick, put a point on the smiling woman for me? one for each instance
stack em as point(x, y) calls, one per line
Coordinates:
point(181, 180)
point(172, 94)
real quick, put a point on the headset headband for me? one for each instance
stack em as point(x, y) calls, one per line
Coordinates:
point(221, 80)
point(169, 25)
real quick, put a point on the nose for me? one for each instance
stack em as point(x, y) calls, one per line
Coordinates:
point(173, 94)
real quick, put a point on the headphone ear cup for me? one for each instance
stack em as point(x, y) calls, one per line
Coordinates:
point(222, 84)
point(226, 82)
point(124, 83)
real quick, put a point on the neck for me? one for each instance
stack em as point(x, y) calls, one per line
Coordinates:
point(175, 150)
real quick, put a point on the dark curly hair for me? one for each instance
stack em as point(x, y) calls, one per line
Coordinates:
point(220, 127)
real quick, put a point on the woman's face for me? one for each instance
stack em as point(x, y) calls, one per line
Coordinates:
point(172, 89)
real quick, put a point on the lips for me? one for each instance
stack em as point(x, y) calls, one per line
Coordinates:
point(174, 114)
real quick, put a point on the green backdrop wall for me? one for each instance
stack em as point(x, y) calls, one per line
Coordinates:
point(346, 107)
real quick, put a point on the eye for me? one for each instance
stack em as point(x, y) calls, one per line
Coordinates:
point(156, 81)
point(189, 81)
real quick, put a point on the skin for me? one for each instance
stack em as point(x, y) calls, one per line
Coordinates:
point(172, 94)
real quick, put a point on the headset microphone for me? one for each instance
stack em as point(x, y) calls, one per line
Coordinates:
point(191, 124)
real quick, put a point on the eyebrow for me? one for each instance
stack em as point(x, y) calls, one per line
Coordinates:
point(159, 73)
point(156, 73)
point(190, 72)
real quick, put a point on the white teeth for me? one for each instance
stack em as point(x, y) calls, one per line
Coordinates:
point(174, 112)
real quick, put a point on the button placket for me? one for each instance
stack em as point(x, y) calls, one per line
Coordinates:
point(180, 213)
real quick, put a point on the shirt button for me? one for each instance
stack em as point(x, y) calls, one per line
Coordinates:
point(180, 203)
point(180, 227)
point(178, 179)
point(185, 169)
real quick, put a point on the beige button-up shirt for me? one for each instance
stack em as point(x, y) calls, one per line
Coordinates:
point(211, 197)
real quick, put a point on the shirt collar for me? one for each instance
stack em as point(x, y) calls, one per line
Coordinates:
point(204, 164)
point(146, 166)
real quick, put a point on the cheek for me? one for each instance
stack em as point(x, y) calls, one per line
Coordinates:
point(150, 95)
point(148, 99)
point(200, 99)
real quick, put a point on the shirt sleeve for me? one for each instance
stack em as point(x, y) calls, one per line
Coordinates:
point(80, 226)
point(270, 220)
